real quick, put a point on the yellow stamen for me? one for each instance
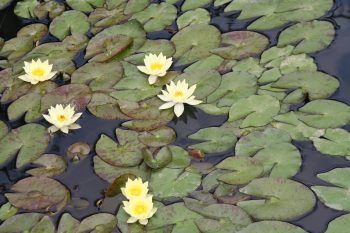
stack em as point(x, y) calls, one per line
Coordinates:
point(140, 209)
point(61, 118)
point(179, 94)
point(157, 66)
point(38, 72)
point(135, 191)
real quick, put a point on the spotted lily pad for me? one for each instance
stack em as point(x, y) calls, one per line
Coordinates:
point(300, 62)
point(36, 31)
point(30, 141)
point(256, 110)
point(126, 153)
point(25, 8)
point(337, 196)
point(241, 44)
point(309, 36)
point(50, 9)
point(50, 165)
point(85, 6)
point(334, 142)
point(339, 225)
point(191, 44)
point(38, 193)
point(216, 139)
point(68, 23)
point(277, 195)
point(272, 227)
point(197, 16)
point(16, 48)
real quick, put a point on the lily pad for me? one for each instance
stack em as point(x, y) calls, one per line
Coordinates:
point(103, 222)
point(25, 8)
point(29, 141)
point(275, 52)
point(339, 225)
point(241, 44)
point(4, 3)
point(21, 222)
point(7, 211)
point(16, 48)
point(50, 9)
point(45, 225)
point(158, 137)
point(256, 110)
point(272, 227)
point(85, 6)
point(197, 16)
point(68, 224)
point(281, 199)
point(212, 62)
point(160, 158)
point(68, 23)
point(249, 65)
point(194, 4)
point(192, 45)
point(156, 16)
point(36, 31)
point(50, 165)
point(300, 62)
point(126, 153)
point(336, 197)
point(309, 36)
point(38, 194)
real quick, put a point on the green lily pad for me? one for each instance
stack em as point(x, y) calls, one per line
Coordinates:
point(324, 114)
point(158, 137)
point(25, 8)
point(50, 9)
point(36, 31)
point(256, 110)
point(192, 44)
point(339, 225)
point(85, 6)
point(16, 48)
point(212, 62)
point(45, 225)
point(159, 160)
point(234, 86)
point(21, 222)
point(180, 157)
point(242, 170)
point(156, 16)
point(272, 227)
point(38, 194)
point(126, 153)
point(241, 44)
point(194, 4)
point(69, 22)
point(335, 142)
point(254, 142)
point(249, 65)
point(197, 16)
point(216, 139)
point(337, 196)
point(50, 165)
point(99, 76)
point(278, 13)
point(281, 199)
point(134, 6)
point(4, 3)
point(169, 183)
point(7, 211)
point(68, 224)
point(274, 53)
point(29, 141)
point(300, 62)
point(309, 36)
point(103, 222)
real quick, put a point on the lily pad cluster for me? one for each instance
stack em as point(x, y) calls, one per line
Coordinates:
point(271, 96)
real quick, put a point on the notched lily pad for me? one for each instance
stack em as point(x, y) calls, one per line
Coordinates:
point(158, 137)
point(197, 16)
point(50, 9)
point(85, 6)
point(49, 165)
point(340, 224)
point(36, 31)
point(25, 8)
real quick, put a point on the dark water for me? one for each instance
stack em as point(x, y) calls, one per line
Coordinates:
point(83, 183)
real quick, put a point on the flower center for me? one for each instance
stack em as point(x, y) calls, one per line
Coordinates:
point(38, 72)
point(179, 94)
point(157, 66)
point(61, 118)
point(140, 209)
point(135, 191)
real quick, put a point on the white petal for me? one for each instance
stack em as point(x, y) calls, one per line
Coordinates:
point(76, 117)
point(167, 105)
point(53, 129)
point(152, 79)
point(132, 220)
point(143, 221)
point(191, 90)
point(179, 109)
point(165, 98)
point(25, 78)
point(64, 129)
point(193, 102)
point(143, 69)
point(74, 126)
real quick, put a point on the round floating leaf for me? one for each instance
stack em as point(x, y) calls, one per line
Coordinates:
point(78, 151)
point(193, 4)
point(21, 222)
point(280, 160)
point(170, 183)
point(274, 53)
point(339, 225)
point(68, 224)
point(256, 141)
point(335, 197)
point(45, 225)
point(99, 76)
point(180, 157)
point(210, 63)
point(234, 86)
point(324, 114)
point(38, 194)
point(7, 211)
point(51, 165)
point(50, 9)
point(334, 142)
point(272, 227)
point(68, 23)
point(300, 62)
point(281, 199)
point(197, 16)
point(126, 153)
point(242, 170)
point(215, 139)
point(249, 65)
point(25, 8)
point(241, 44)
point(103, 222)
point(16, 48)
point(159, 160)
point(309, 36)
point(192, 44)
point(85, 5)
point(30, 141)
point(36, 31)
point(156, 16)
point(134, 6)
point(158, 137)
point(256, 110)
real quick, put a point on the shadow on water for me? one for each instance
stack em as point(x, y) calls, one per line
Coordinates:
point(82, 181)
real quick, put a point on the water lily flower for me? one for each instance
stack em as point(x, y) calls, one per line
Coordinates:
point(178, 95)
point(37, 71)
point(62, 118)
point(135, 188)
point(140, 209)
point(155, 66)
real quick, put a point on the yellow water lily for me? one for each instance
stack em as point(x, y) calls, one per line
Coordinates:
point(37, 71)
point(62, 118)
point(155, 66)
point(178, 95)
point(135, 188)
point(140, 209)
